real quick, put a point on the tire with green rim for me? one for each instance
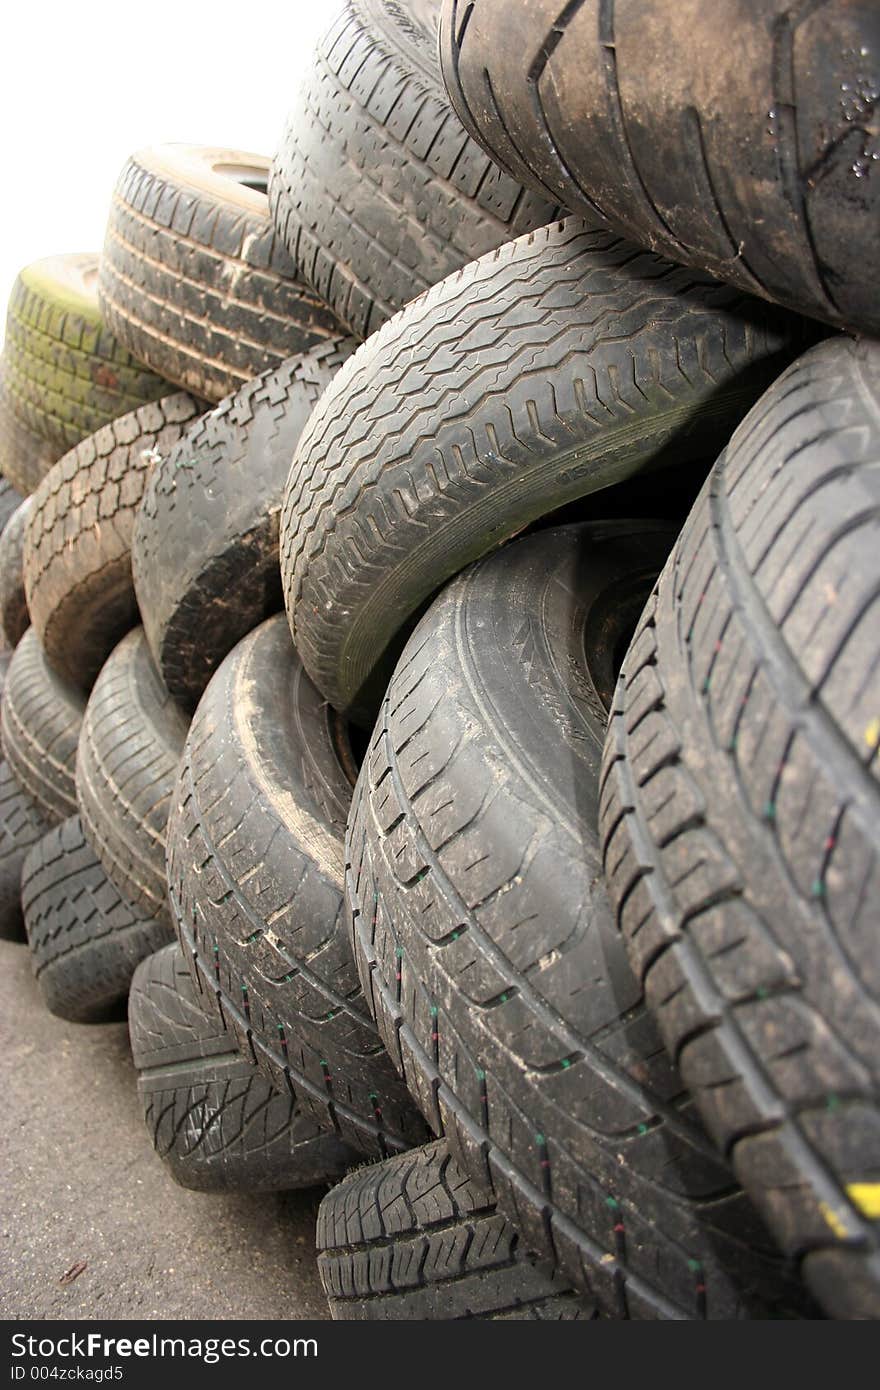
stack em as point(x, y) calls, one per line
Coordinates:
point(64, 373)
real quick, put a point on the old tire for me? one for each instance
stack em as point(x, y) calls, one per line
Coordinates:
point(10, 500)
point(377, 189)
point(193, 278)
point(413, 1238)
point(85, 940)
point(741, 813)
point(77, 550)
point(738, 141)
point(509, 396)
point(205, 549)
point(22, 824)
point(489, 953)
point(25, 458)
point(64, 373)
point(213, 1118)
point(132, 738)
point(40, 724)
point(255, 870)
point(14, 618)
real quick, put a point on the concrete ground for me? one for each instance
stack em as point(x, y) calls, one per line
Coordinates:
point(80, 1183)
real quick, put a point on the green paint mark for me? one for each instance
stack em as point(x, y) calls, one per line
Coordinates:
point(832, 1102)
point(540, 1139)
point(612, 1202)
point(643, 1128)
point(433, 1010)
point(566, 1063)
point(481, 1075)
point(695, 1267)
point(770, 810)
point(818, 888)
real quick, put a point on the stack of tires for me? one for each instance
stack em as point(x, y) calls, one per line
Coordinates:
point(446, 627)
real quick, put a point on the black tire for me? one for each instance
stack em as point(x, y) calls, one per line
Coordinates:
point(735, 139)
point(255, 876)
point(131, 741)
point(193, 278)
point(14, 618)
point(77, 548)
point(741, 813)
point(488, 950)
point(85, 940)
point(10, 500)
point(22, 824)
point(40, 725)
point(213, 1118)
point(377, 189)
point(25, 458)
point(64, 374)
point(413, 1238)
point(506, 402)
point(205, 549)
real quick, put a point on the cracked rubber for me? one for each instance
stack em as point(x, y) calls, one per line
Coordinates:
point(77, 549)
point(205, 549)
point(14, 618)
point(741, 139)
point(22, 824)
point(40, 724)
point(255, 877)
point(194, 279)
point(412, 1238)
point(64, 373)
point(377, 189)
point(131, 741)
point(85, 940)
point(557, 365)
point(213, 1118)
point(741, 813)
point(25, 458)
point(488, 951)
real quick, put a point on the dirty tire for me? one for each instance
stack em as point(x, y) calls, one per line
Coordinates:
point(77, 550)
point(194, 279)
point(377, 189)
point(741, 813)
point(412, 1238)
point(205, 549)
point(212, 1116)
point(25, 458)
point(132, 738)
point(40, 725)
point(508, 398)
point(738, 140)
point(488, 950)
point(22, 824)
point(64, 374)
point(10, 501)
point(255, 873)
point(85, 940)
point(14, 618)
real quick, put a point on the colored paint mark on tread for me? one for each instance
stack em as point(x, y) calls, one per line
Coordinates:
point(835, 1221)
point(872, 733)
point(865, 1196)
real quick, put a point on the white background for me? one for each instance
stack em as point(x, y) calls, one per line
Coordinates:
point(84, 84)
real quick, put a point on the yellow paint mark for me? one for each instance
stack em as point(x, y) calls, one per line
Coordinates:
point(872, 733)
point(865, 1196)
point(834, 1220)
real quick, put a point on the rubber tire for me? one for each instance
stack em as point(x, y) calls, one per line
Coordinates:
point(132, 738)
point(741, 813)
point(85, 940)
point(64, 374)
point(255, 876)
point(77, 550)
point(487, 948)
point(412, 1238)
point(21, 825)
point(213, 1119)
point(39, 729)
point(14, 617)
point(506, 402)
point(10, 501)
point(739, 142)
point(25, 458)
point(377, 190)
point(193, 278)
point(205, 548)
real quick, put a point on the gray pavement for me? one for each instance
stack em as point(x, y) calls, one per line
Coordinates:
point(80, 1183)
